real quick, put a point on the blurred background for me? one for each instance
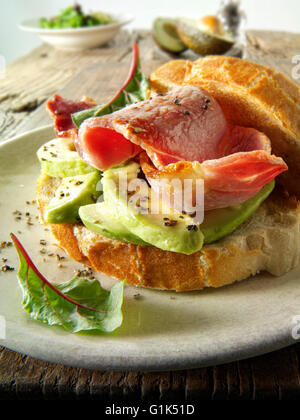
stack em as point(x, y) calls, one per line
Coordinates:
point(261, 14)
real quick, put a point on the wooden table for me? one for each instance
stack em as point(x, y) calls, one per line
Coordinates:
point(29, 82)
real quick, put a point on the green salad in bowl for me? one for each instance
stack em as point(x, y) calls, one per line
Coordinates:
point(74, 17)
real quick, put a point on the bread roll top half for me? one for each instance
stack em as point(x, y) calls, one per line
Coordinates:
point(251, 95)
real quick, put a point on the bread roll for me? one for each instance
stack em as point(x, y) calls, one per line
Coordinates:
point(271, 232)
point(250, 95)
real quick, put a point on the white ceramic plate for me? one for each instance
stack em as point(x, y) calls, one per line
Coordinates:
point(161, 330)
point(77, 38)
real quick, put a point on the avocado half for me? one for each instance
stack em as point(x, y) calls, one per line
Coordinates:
point(165, 35)
point(201, 39)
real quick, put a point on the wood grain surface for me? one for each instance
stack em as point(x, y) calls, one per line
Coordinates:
point(271, 377)
point(29, 82)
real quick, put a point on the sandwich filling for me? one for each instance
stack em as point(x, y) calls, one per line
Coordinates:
point(182, 135)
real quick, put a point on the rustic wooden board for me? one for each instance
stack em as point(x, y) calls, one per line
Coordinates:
point(33, 78)
point(97, 73)
point(271, 377)
point(274, 49)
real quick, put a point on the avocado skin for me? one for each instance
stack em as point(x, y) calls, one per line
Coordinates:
point(98, 218)
point(165, 35)
point(65, 209)
point(222, 222)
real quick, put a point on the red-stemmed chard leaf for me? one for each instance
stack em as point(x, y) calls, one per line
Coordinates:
point(134, 89)
point(77, 305)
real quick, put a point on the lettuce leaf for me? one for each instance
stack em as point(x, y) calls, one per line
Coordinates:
point(77, 305)
point(135, 89)
point(73, 17)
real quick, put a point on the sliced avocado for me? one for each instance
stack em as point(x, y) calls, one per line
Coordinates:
point(98, 218)
point(73, 193)
point(201, 39)
point(221, 222)
point(117, 219)
point(168, 230)
point(60, 159)
point(165, 34)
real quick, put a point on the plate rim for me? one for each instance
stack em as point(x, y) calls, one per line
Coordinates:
point(270, 342)
point(25, 133)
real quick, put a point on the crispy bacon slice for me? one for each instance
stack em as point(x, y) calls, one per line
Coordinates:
point(228, 181)
point(62, 109)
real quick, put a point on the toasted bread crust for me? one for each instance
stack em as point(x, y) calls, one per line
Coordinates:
point(250, 95)
point(273, 230)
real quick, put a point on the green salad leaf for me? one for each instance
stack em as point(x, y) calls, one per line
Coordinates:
point(135, 89)
point(77, 305)
point(73, 17)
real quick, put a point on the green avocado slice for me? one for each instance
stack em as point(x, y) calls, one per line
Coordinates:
point(115, 220)
point(59, 159)
point(221, 222)
point(167, 229)
point(99, 218)
point(73, 193)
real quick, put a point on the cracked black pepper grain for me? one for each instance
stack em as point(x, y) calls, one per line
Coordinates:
point(192, 227)
point(6, 268)
point(171, 223)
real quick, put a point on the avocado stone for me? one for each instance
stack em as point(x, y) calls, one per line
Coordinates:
point(72, 193)
point(165, 34)
point(59, 159)
point(99, 218)
point(166, 228)
point(201, 40)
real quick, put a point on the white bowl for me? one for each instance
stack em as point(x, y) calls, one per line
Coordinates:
point(77, 38)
